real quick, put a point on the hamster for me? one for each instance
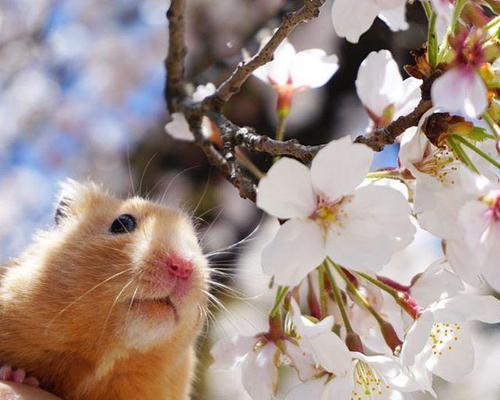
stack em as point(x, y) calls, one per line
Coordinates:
point(108, 304)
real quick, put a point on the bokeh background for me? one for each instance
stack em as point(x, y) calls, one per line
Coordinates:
point(81, 96)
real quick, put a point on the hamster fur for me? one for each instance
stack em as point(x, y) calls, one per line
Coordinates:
point(97, 315)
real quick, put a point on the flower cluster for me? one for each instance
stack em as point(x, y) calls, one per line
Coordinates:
point(348, 331)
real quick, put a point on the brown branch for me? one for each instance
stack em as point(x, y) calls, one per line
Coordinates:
point(232, 85)
point(174, 63)
point(248, 138)
point(381, 137)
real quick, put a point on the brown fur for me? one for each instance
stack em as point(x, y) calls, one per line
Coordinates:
point(65, 304)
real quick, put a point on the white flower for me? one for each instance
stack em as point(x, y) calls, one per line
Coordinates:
point(460, 90)
point(442, 181)
point(444, 11)
point(294, 70)
point(353, 18)
point(258, 360)
point(319, 341)
point(368, 378)
point(382, 90)
point(329, 215)
point(440, 337)
point(477, 250)
point(178, 127)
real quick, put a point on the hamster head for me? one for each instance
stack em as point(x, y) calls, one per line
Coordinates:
point(127, 272)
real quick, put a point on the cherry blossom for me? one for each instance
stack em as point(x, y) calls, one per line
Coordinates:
point(477, 250)
point(178, 127)
point(291, 72)
point(461, 88)
point(257, 358)
point(353, 18)
point(382, 90)
point(329, 215)
point(441, 336)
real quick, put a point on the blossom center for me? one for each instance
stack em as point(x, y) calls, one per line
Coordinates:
point(493, 201)
point(328, 213)
point(442, 336)
point(368, 384)
point(439, 164)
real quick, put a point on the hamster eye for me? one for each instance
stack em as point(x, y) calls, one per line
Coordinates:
point(125, 223)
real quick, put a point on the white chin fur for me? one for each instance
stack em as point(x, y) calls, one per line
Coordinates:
point(142, 333)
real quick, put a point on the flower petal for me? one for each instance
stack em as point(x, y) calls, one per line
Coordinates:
point(301, 361)
point(472, 307)
point(277, 72)
point(203, 91)
point(379, 83)
point(416, 338)
point(460, 90)
point(314, 389)
point(395, 18)
point(227, 353)
point(313, 68)
point(463, 262)
point(411, 97)
point(353, 18)
point(340, 167)
point(259, 373)
point(376, 224)
point(297, 249)
point(453, 356)
point(286, 191)
point(178, 128)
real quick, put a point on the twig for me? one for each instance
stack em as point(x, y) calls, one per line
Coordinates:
point(290, 21)
point(174, 63)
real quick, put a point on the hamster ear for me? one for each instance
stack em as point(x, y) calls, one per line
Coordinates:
point(71, 192)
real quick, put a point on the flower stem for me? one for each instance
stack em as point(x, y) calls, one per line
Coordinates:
point(477, 150)
point(460, 153)
point(459, 6)
point(280, 295)
point(280, 131)
point(389, 174)
point(432, 49)
point(338, 298)
point(492, 124)
point(401, 298)
point(495, 21)
point(322, 292)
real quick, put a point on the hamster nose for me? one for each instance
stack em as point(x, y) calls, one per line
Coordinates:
point(178, 266)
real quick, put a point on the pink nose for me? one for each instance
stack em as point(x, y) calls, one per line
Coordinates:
point(178, 266)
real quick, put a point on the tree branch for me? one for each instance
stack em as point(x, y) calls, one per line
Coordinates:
point(232, 85)
point(174, 63)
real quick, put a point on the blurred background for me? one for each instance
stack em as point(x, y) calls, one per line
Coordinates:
point(81, 96)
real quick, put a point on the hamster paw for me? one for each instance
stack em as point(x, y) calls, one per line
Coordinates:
point(7, 373)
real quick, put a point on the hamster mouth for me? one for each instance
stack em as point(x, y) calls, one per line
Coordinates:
point(150, 306)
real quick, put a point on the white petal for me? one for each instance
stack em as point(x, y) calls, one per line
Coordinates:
point(340, 388)
point(436, 283)
point(379, 82)
point(491, 267)
point(277, 71)
point(353, 18)
point(301, 361)
point(389, 4)
point(340, 167)
point(377, 224)
point(411, 97)
point(413, 147)
point(475, 222)
point(416, 338)
point(203, 91)
point(452, 364)
point(314, 389)
point(259, 374)
point(462, 91)
point(463, 262)
point(286, 191)
point(395, 18)
point(313, 68)
point(473, 307)
point(297, 249)
point(178, 128)
point(227, 353)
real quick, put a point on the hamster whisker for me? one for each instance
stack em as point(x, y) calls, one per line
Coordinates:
point(130, 306)
point(211, 225)
point(86, 294)
point(165, 192)
point(144, 172)
point(202, 197)
point(113, 306)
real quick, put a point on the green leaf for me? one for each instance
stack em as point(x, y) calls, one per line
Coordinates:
point(478, 134)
